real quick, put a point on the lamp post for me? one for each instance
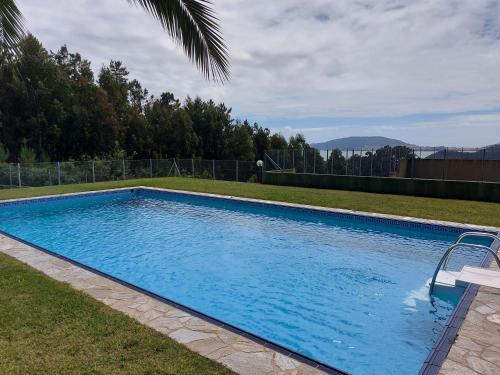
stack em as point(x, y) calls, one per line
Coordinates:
point(260, 163)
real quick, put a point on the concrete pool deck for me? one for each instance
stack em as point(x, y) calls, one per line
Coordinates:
point(476, 349)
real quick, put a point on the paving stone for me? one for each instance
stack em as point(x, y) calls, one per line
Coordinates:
point(149, 315)
point(285, 363)
point(484, 309)
point(483, 367)
point(467, 343)
point(454, 368)
point(492, 356)
point(179, 314)
point(494, 318)
point(247, 347)
point(458, 355)
point(200, 325)
point(165, 324)
point(185, 336)
point(475, 317)
point(220, 353)
point(249, 363)
point(306, 370)
point(230, 337)
point(206, 346)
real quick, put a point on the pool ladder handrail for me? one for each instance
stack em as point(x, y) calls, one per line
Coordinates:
point(458, 243)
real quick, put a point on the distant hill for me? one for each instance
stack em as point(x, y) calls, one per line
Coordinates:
point(359, 143)
point(491, 152)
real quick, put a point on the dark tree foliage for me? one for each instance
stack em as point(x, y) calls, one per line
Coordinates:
point(56, 108)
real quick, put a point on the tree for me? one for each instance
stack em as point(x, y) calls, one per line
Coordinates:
point(73, 65)
point(239, 143)
point(60, 112)
point(27, 155)
point(4, 154)
point(336, 162)
point(192, 23)
point(299, 142)
point(260, 137)
point(277, 142)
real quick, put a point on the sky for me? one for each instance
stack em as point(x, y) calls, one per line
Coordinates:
point(424, 71)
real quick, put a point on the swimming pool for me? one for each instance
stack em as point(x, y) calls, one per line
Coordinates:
point(346, 290)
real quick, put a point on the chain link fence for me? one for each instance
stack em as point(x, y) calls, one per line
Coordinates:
point(469, 164)
point(77, 172)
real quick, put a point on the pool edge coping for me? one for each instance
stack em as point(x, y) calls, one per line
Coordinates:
point(432, 361)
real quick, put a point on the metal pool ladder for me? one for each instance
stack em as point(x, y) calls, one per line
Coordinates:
point(468, 274)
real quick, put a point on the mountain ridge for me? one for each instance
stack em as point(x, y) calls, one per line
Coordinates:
point(357, 142)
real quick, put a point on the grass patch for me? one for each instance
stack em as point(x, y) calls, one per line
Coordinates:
point(48, 327)
point(472, 212)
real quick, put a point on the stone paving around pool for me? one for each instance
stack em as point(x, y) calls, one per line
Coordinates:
point(241, 354)
point(476, 350)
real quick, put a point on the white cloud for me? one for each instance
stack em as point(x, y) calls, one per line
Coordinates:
point(292, 58)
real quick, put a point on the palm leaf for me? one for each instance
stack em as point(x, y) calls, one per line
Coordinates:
point(193, 24)
point(11, 26)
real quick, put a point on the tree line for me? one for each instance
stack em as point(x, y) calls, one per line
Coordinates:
point(53, 108)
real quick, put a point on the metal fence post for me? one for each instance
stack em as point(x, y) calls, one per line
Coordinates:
point(314, 160)
point(305, 167)
point(346, 161)
point(10, 175)
point(390, 161)
point(19, 175)
point(192, 167)
point(236, 170)
point(293, 159)
point(93, 170)
point(413, 160)
point(327, 161)
point(59, 173)
point(123, 166)
point(151, 168)
point(213, 169)
point(482, 164)
point(371, 164)
point(444, 163)
point(332, 160)
point(360, 159)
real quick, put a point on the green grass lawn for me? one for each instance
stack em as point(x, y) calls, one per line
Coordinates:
point(483, 213)
point(47, 327)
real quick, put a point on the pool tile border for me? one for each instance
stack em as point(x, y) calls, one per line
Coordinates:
point(434, 361)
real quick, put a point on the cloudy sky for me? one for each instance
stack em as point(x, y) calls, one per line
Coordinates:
point(424, 71)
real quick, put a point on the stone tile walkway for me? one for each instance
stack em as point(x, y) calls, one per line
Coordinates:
point(239, 353)
point(476, 350)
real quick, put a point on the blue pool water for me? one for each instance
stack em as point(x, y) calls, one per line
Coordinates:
point(345, 291)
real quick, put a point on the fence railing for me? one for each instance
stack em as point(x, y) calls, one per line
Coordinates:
point(399, 161)
point(77, 172)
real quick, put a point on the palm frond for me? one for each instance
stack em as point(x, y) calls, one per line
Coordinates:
point(193, 24)
point(11, 26)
